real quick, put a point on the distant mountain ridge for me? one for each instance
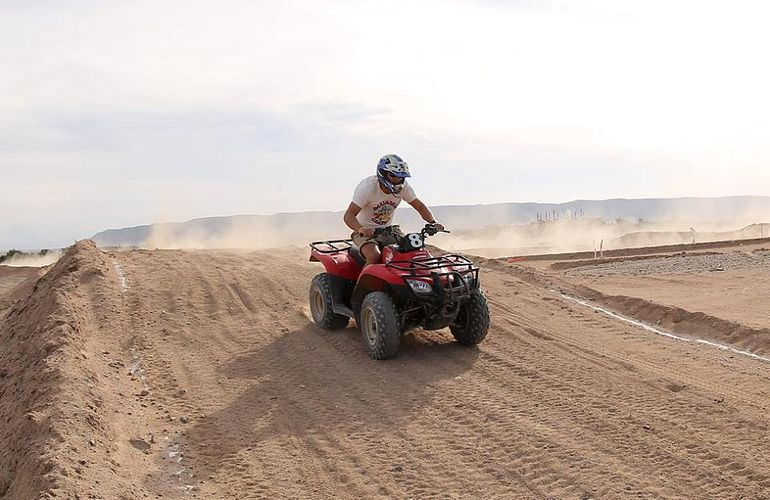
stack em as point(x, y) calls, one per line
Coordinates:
point(301, 227)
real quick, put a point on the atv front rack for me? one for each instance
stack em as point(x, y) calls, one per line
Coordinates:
point(331, 246)
point(418, 266)
point(448, 286)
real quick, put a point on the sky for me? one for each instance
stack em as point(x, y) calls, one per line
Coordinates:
point(115, 114)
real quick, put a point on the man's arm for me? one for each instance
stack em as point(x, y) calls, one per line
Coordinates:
point(423, 210)
point(352, 222)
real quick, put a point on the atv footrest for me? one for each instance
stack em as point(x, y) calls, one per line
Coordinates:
point(344, 310)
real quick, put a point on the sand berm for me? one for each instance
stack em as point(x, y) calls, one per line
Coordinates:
point(58, 398)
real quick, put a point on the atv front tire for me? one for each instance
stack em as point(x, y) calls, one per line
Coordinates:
point(321, 305)
point(472, 322)
point(379, 325)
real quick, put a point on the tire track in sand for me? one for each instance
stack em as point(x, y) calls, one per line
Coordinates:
point(553, 404)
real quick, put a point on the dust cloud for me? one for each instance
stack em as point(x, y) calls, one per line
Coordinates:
point(486, 230)
point(234, 234)
point(24, 259)
point(589, 235)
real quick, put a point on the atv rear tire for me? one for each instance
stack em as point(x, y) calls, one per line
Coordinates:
point(321, 305)
point(472, 322)
point(379, 325)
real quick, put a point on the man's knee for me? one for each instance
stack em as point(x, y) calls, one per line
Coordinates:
point(371, 253)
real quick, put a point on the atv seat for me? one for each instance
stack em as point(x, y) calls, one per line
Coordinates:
point(355, 252)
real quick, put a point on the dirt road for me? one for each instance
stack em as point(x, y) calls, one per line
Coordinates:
point(213, 384)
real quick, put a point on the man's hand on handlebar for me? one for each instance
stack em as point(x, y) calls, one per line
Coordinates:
point(437, 226)
point(366, 232)
point(432, 228)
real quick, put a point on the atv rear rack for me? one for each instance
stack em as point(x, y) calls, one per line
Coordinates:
point(332, 246)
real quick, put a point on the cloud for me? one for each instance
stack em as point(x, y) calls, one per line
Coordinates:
point(130, 112)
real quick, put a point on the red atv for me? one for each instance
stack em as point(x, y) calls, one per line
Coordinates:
point(409, 289)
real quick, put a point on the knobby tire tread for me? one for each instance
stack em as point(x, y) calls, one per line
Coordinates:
point(389, 334)
point(474, 320)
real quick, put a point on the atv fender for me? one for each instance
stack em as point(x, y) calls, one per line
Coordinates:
point(339, 264)
point(374, 278)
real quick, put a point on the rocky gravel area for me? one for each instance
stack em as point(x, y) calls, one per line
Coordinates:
point(678, 264)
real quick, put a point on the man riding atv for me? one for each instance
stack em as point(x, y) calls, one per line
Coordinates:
point(411, 288)
point(374, 202)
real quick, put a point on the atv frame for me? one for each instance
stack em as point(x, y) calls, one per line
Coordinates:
point(425, 291)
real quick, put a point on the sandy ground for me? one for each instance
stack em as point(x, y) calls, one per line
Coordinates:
point(731, 282)
point(198, 375)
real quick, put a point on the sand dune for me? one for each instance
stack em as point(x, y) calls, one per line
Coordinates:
point(196, 374)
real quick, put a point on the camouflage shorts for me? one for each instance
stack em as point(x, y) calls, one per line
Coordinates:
point(384, 236)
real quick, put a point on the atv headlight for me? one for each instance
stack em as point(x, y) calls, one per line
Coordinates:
point(419, 286)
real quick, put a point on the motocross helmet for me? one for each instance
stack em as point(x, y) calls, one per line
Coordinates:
point(394, 165)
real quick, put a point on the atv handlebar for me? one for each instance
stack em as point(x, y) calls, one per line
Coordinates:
point(431, 229)
point(428, 230)
point(412, 241)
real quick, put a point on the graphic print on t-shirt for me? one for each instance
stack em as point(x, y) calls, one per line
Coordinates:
point(383, 211)
point(377, 206)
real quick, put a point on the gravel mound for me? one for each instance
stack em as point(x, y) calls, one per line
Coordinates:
point(678, 264)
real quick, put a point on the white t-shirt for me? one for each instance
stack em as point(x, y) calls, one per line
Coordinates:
point(377, 207)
